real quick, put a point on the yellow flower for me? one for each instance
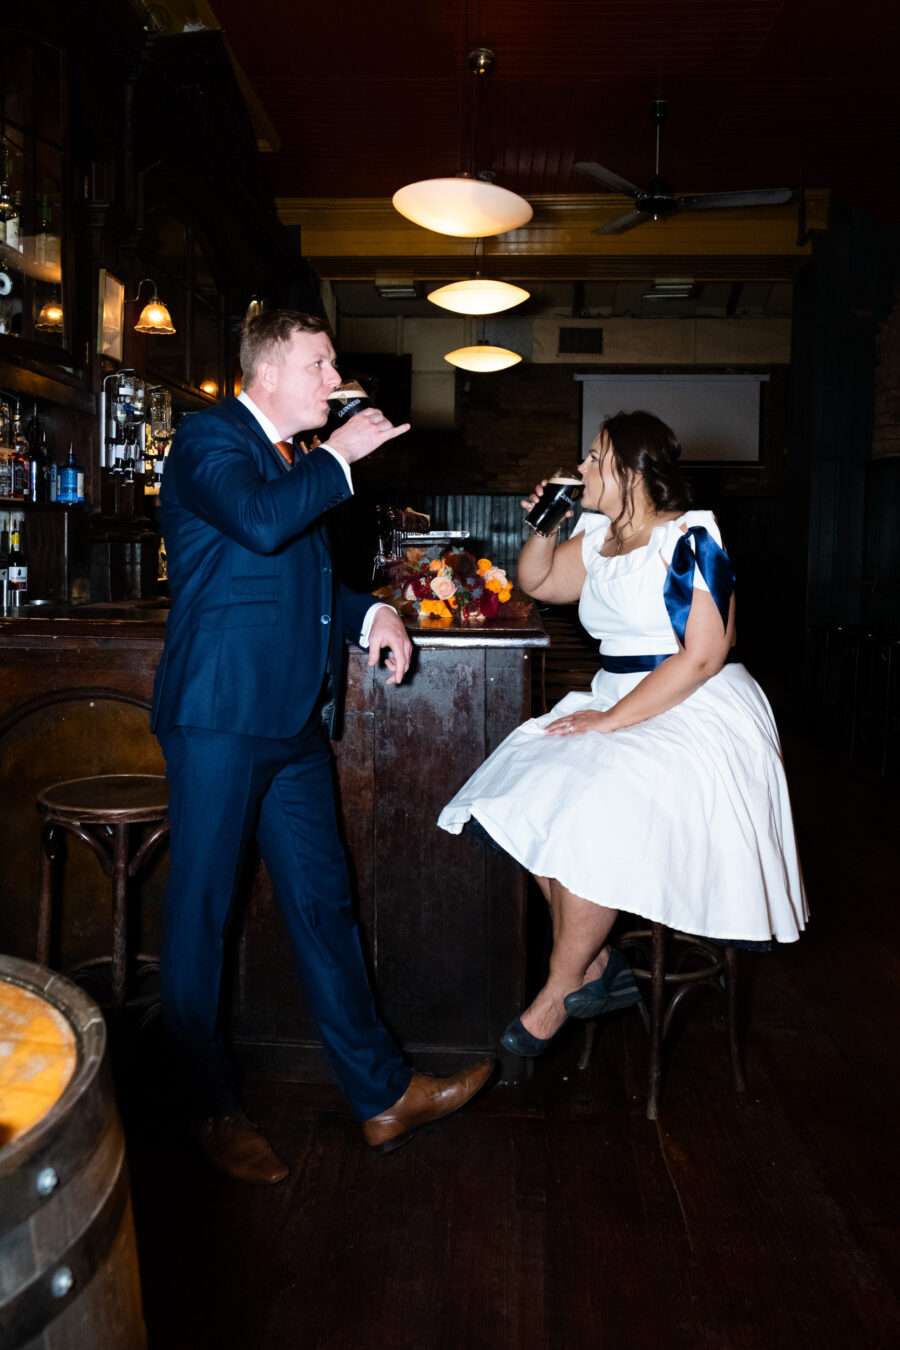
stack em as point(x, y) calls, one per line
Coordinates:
point(494, 585)
point(483, 565)
point(436, 608)
point(505, 594)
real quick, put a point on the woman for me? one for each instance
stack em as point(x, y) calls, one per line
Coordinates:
point(662, 790)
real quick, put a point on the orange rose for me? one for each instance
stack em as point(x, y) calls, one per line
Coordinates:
point(483, 565)
point(494, 585)
point(505, 594)
point(436, 564)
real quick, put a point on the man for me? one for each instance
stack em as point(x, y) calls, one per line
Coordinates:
point(256, 624)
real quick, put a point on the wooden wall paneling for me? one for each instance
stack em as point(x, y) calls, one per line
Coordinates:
point(429, 736)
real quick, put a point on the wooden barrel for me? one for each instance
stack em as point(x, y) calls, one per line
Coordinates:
point(68, 1260)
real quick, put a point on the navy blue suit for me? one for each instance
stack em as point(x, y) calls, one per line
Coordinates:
point(256, 622)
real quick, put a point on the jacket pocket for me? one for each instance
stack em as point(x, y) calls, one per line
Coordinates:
point(258, 614)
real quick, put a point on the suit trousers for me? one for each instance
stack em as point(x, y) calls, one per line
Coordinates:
point(225, 788)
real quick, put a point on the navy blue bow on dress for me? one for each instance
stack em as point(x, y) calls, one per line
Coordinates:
point(715, 569)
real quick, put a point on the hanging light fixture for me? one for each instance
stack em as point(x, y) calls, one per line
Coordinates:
point(50, 318)
point(482, 358)
point(478, 294)
point(155, 318)
point(471, 205)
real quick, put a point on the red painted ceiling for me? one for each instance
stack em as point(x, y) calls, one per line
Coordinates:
point(368, 96)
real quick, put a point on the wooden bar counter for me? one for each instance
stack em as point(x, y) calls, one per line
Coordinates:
point(443, 916)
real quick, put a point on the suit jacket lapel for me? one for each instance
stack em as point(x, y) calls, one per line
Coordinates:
point(246, 418)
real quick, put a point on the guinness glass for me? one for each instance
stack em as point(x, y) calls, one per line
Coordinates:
point(347, 400)
point(560, 495)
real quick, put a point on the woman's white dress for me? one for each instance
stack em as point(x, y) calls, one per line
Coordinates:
point(684, 818)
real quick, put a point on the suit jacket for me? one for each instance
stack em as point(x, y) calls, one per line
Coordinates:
point(256, 616)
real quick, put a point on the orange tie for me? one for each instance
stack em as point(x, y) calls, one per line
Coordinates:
point(286, 450)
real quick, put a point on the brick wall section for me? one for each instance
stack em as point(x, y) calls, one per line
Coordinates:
point(513, 428)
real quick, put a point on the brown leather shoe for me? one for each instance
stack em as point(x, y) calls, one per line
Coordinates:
point(235, 1146)
point(425, 1099)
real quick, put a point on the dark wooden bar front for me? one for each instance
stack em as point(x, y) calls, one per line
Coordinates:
point(443, 916)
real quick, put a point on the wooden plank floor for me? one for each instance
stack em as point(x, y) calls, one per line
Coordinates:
point(554, 1213)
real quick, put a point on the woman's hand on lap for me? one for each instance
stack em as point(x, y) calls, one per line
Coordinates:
point(577, 723)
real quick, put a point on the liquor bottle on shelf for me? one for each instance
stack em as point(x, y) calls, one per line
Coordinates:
point(21, 458)
point(68, 480)
point(39, 471)
point(17, 568)
point(46, 244)
point(52, 481)
point(6, 471)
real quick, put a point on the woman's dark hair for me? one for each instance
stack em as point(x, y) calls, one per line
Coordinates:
point(641, 444)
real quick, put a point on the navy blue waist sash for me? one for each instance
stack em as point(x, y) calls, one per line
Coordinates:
point(632, 665)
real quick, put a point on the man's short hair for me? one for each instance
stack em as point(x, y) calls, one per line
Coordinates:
point(264, 337)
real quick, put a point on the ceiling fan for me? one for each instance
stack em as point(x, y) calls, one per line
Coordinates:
point(656, 202)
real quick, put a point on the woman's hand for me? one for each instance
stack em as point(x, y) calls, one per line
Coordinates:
point(528, 502)
point(577, 723)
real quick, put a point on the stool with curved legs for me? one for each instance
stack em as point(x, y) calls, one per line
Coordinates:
point(86, 808)
point(695, 962)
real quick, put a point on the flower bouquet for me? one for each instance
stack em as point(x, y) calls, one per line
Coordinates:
point(456, 587)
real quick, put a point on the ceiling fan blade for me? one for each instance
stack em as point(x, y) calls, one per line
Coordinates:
point(713, 201)
point(622, 224)
point(607, 178)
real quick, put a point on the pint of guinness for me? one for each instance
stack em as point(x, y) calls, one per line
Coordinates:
point(347, 400)
point(559, 496)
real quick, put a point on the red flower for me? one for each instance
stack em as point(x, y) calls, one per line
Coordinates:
point(488, 604)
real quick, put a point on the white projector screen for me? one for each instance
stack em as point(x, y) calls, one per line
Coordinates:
point(715, 417)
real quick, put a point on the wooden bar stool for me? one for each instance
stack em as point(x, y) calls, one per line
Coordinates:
point(88, 808)
point(679, 963)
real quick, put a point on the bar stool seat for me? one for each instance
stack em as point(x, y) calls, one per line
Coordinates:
point(88, 809)
point(674, 964)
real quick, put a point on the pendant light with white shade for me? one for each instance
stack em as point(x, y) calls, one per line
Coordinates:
point(478, 294)
point(471, 205)
point(482, 358)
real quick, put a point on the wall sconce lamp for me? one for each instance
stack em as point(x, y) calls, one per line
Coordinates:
point(155, 318)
